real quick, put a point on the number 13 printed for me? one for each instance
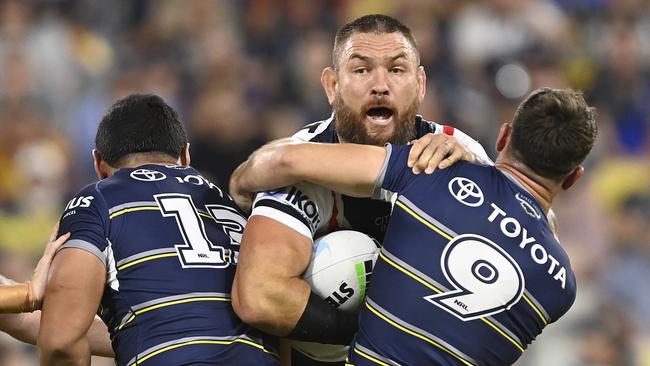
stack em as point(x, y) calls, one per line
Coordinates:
point(198, 250)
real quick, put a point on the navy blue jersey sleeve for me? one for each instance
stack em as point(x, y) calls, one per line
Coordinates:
point(86, 219)
point(395, 174)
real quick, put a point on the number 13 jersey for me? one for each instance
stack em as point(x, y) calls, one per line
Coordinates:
point(169, 240)
point(470, 271)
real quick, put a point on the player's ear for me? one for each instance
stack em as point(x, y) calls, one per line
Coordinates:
point(101, 168)
point(504, 136)
point(329, 81)
point(422, 82)
point(573, 177)
point(185, 155)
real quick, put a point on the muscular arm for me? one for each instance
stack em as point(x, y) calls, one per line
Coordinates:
point(268, 292)
point(71, 300)
point(24, 327)
point(347, 168)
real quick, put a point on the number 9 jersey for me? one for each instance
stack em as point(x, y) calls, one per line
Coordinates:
point(169, 240)
point(470, 271)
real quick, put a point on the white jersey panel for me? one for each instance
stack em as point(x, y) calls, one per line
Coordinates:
point(305, 207)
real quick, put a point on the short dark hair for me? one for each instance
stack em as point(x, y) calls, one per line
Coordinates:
point(136, 124)
point(553, 130)
point(374, 23)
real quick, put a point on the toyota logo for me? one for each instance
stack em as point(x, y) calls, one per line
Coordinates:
point(147, 175)
point(466, 191)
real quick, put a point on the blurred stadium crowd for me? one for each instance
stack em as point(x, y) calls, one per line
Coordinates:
point(244, 72)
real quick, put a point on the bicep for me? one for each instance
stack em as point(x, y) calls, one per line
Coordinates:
point(268, 291)
point(73, 294)
point(271, 248)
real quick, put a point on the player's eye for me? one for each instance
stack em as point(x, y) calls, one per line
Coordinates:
point(396, 70)
point(360, 70)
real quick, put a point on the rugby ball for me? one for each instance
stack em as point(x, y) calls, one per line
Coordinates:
point(339, 272)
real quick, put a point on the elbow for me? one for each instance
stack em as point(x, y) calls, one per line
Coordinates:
point(54, 350)
point(285, 159)
point(250, 305)
point(253, 302)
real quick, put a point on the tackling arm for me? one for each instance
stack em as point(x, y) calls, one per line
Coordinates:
point(347, 168)
point(24, 327)
point(27, 297)
point(71, 300)
point(268, 292)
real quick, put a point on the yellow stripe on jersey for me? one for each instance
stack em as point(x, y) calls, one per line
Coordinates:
point(427, 284)
point(170, 303)
point(417, 335)
point(207, 341)
point(126, 322)
point(182, 301)
point(205, 214)
point(145, 259)
point(422, 220)
point(504, 334)
point(432, 287)
point(409, 273)
point(536, 309)
point(133, 209)
point(365, 355)
point(149, 208)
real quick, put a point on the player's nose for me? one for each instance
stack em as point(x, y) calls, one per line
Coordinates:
point(380, 83)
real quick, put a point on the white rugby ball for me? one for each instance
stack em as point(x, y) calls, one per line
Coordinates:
point(339, 271)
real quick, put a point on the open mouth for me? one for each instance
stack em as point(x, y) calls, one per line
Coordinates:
point(380, 114)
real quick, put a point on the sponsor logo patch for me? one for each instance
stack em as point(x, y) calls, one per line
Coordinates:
point(147, 175)
point(465, 191)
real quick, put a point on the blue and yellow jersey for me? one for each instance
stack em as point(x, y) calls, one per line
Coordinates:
point(470, 271)
point(169, 240)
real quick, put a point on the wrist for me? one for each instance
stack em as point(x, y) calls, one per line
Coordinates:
point(321, 323)
point(32, 303)
point(15, 298)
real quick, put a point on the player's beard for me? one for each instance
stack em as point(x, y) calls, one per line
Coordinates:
point(350, 124)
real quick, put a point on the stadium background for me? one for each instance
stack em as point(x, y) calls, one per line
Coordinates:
point(244, 72)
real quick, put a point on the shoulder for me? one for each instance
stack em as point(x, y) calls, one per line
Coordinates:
point(304, 207)
point(423, 126)
point(88, 196)
point(321, 131)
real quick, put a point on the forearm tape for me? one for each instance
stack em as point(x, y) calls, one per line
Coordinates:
point(16, 298)
point(321, 323)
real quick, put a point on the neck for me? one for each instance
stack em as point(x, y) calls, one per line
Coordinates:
point(542, 189)
point(135, 160)
point(139, 159)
